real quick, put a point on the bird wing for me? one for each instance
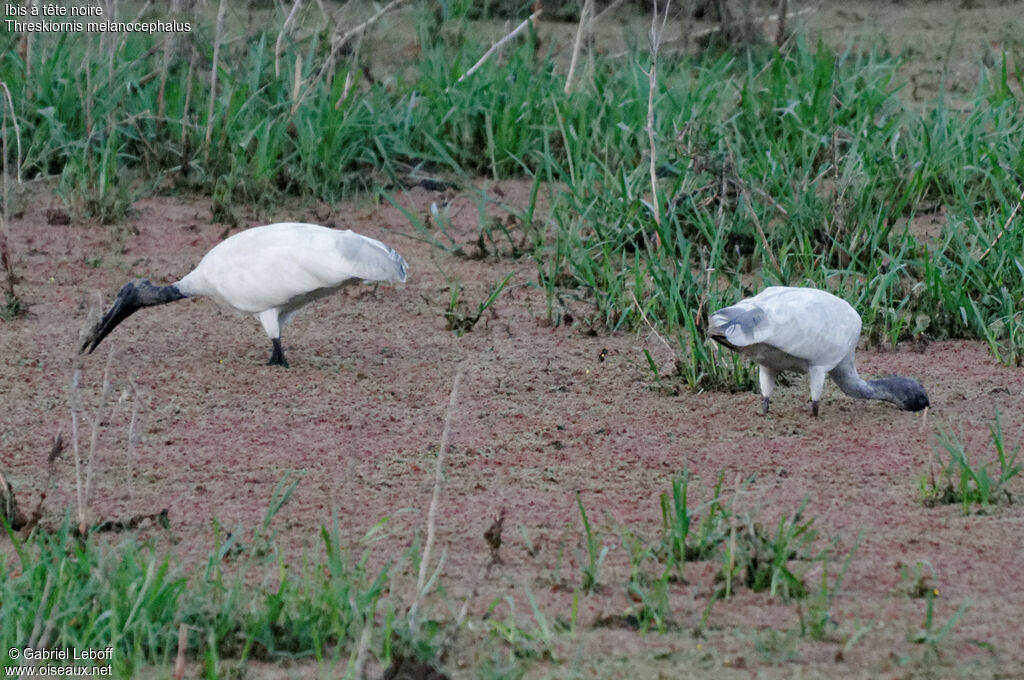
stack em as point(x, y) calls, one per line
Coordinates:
point(743, 324)
point(809, 324)
point(267, 267)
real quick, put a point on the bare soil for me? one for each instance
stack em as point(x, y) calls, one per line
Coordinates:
point(544, 411)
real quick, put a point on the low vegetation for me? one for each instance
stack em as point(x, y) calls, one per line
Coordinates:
point(800, 166)
point(957, 480)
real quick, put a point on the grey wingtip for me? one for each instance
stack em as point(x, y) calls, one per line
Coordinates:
point(403, 269)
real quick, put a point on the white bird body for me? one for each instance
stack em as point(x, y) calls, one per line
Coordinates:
point(809, 331)
point(269, 271)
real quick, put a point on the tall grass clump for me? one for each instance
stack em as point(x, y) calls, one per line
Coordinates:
point(673, 191)
point(61, 590)
point(796, 168)
point(969, 484)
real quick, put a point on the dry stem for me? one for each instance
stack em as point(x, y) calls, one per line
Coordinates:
point(643, 315)
point(496, 46)
point(83, 489)
point(213, 77)
point(1006, 226)
point(179, 660)
point(760, 231)
point(652, 79)
point(584, 26)
point(289, 20)
point(17, 139)
point(780, 35)
point(421, 582)
point(5, 253)
point(337, 45)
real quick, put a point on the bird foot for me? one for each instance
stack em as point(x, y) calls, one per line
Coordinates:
point(277, 355)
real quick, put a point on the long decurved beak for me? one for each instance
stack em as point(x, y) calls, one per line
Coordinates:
point(126, 304)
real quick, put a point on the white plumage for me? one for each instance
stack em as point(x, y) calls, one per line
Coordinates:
point(269, 271)
point(809, 331)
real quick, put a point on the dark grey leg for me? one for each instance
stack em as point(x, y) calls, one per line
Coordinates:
point(277, 355)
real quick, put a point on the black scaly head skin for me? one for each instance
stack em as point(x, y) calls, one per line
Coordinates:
point(906, 393)
point(132, 297)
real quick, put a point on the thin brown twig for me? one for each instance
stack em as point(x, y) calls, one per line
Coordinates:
point(337, 45)
point(610, 8)
point(583, 27)
point(285, 27)
point(170, 45)
point(328, 19)
point(17, 139)
point(703, 33)
point(421, 581)
point(496, 46)
point(221, 11)
point(134, 428)
point(363, 651)
point(349, 78)
point(703, 296)
point(780, 34)
point(1006, 226)
point(179, 659)
point(97, 421)
point(297, 81)
point(652, 79)
point(185, 116)
point(760, 231)
point(39, 625)
point(26, 38)
point(643, 316)
point(5, 253)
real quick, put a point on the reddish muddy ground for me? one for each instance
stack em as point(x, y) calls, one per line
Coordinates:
point(539, 417)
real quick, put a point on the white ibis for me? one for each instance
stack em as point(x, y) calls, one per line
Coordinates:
point(812, 332)
point(269, 271)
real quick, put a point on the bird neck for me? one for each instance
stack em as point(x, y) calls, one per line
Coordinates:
point(905, 393)
point(855, 386)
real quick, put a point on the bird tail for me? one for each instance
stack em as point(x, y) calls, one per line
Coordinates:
point(373, 260)
point(403, 266)
point(397, 268)
point(737, 326)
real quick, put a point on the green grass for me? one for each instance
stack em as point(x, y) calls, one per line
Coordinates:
point(930, 634)
point(254, 601)
point(800, 168)
point(458, 318)
point(959, 481)
point(593, 559)
point(248, 603)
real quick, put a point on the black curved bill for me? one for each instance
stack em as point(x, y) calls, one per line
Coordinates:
point(125, 305)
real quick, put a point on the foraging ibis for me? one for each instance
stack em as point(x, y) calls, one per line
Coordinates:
point(810, 331)
point(268, 271)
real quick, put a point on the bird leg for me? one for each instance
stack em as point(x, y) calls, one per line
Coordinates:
point(277, 355)
point(766, 377)
point(817, 378)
